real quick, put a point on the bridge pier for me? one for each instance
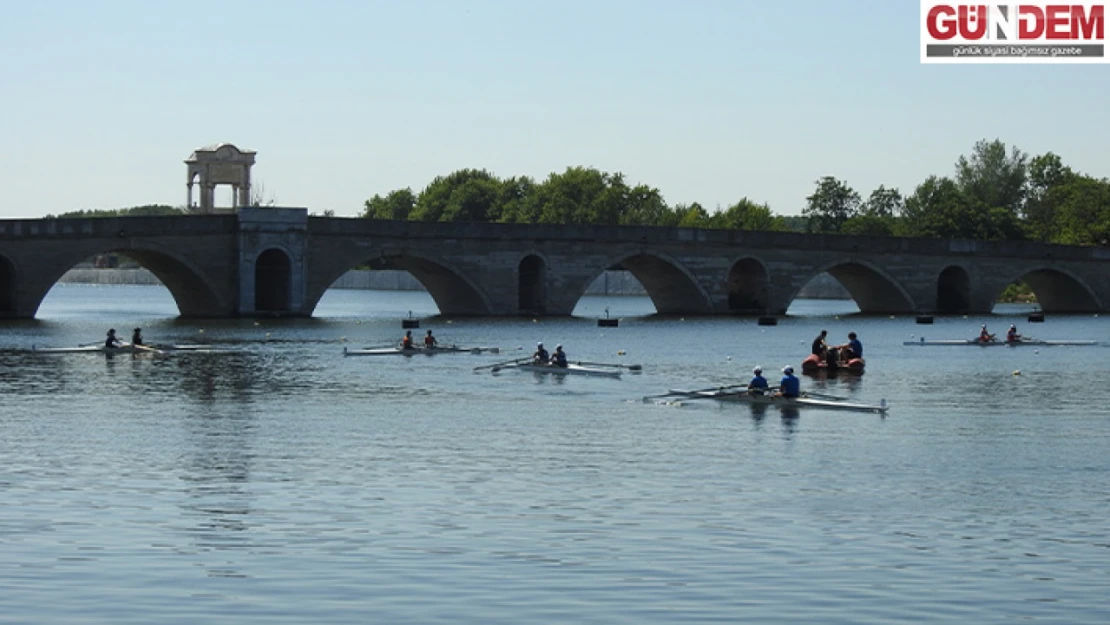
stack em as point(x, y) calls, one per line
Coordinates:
point(272, 244)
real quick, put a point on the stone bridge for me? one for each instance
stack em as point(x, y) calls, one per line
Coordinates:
point(276, 261)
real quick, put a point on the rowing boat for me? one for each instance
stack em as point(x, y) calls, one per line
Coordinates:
point(126, 348)
point(427, 351)
point(1037, 342)
point(784, 402)
point(571, 369)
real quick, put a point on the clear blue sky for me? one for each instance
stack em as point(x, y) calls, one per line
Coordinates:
point(706, 100)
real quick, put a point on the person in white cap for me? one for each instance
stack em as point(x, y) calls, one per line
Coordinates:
point(758, 385)
point(559, 358)
point(540, 356)
point(984, 336)
point(1012, 335)
point(789, 386)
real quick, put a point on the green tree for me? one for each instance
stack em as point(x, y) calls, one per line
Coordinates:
point(870, 225)
point(747, 215)
point(1083, 210)
point(146, 210)
point(883, 202)
point(517, 201)
point(397, 205)
point(1047, 175)
point(832, 204)
point(938, 208)
point(464, 195)
point(994, 177)
point(644, 206)
point(691, 216)
point(580, 195)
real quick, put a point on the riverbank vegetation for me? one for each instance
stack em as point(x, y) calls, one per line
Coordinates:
point(994, 193)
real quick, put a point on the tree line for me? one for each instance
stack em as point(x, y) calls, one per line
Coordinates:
point(994, 193)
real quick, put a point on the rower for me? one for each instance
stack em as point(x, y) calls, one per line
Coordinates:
point(984, 336)
point(789, 387)
point(429, 340)
point(559, 358)
point(406, 343)
point(540, 356)
point(758, 385)
point(1012, 335)
point(112, 342)
point(137, 336)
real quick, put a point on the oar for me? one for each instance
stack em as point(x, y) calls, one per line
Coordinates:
point(507, 363)
point(694, 392)
point(606, 364)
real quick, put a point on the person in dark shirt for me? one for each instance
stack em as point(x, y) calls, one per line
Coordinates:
point(112, 342)
point(137, 336)
point(819, 346)
point(559, 358)
point(540, 356)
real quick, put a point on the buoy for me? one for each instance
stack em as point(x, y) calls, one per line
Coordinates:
point(620, 352)
point(1017, 372)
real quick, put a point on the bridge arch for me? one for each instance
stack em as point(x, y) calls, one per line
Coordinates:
point(953, 290)
point(273, 281)
point(874, 291)
point(8, 283)
point(673, 289)
point(453, 292)
point(747, 287)
point(192, 290)
point(532, 284)
point(1058, 291)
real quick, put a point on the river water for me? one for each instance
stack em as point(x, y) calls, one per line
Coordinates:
point(285, 483)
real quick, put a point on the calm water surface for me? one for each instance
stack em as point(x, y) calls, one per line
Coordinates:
point(284, 483)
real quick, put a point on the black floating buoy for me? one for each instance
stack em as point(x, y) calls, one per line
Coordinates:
point(925, 319)
point(1036, 318)
point(768, 321)
point(608, 322)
